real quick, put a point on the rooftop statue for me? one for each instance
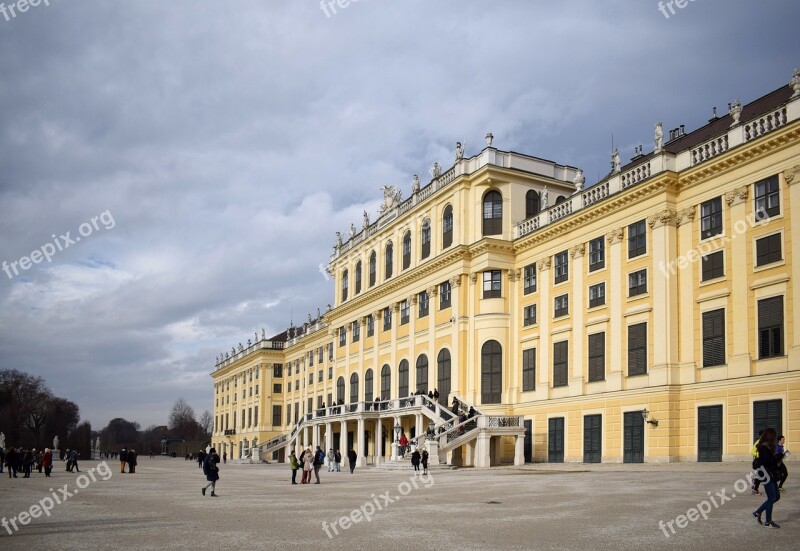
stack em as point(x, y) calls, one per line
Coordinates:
point(415, 184)
point(460, 150)
point(659, 137)
point(795, 84)
point(391, 198)
point(436, 170)
point(616, 162)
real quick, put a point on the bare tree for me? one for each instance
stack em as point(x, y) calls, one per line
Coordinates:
point(182, 420)
point(206, 423)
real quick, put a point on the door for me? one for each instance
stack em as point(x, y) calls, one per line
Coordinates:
point(633, 445)
point(766, 414)
point(555, 440)
point(709, 433)
point(592, 438)
point(528, 441)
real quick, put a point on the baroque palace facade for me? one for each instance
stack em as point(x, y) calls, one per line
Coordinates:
point(649, 317)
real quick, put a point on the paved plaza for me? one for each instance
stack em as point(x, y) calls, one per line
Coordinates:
point(533, 507)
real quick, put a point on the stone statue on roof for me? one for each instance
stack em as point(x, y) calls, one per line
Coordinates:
point(338, 244)
point(616, 161)
point(436, 170)
point(460, 151)
point(736, 111)
point(659, 138)
point(544, 197)
point(391, 198)
point(415, 184)
point(366, 220)
point(352, 230)
point(579, 180)
point(795, 84)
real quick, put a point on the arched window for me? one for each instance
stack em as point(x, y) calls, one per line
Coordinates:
point(354, 388)
point(373, 268)
point(491, 372)
point(532, 205)
point(426, 238)
point(447, 227)
point(340, 390)
point(422, 373)
point(493, 213)
point(344, 285)
point(386, 382)
point(402, 379)
point(443, 375)
point(358, 277)
point(407, 250)
point(368, 396)
point(560, 199)
point(389, 259)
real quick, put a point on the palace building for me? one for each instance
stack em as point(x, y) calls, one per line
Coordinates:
point(647, 318)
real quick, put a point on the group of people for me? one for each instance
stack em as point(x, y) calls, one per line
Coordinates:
point(313, 460)
point(20, 460)
point(128, 457)
point(769, 452)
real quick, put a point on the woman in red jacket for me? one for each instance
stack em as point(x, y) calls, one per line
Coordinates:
point(47, 461)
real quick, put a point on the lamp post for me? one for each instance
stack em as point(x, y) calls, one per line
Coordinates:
point(645, 413)
point(396, 443)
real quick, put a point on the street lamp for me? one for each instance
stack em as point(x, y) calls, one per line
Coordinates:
point(431, 428)
point(397, 430)
point(645, 413)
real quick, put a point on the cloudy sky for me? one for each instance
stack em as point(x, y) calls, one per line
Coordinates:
point(219, 146)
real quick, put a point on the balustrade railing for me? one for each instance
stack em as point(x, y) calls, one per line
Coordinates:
point(765, 124)
point(594, 194)
point(710, 149)
point(559, 211)
point(635, 175)
point(507, 421)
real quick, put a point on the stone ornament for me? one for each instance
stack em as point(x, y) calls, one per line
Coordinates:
point(415, 184)
point(579, 180)
point(391, 198)
point(615, 236)
point(460, 151)
point(666, 217)
point(544, 264)
point(659, 138)
point(577, 250)
point(436, 170)
point(737, 195)
point(790, 173)
point(736, 111)
point(616, 161)
point(456, 281)
point(795, 84)
point(685, 215)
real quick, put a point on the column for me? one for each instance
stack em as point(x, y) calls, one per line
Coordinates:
point(418, 425)
point(362, 445)
point(457, 385)
point(412, 351)
point(687, 357)
point(739, 364)
point(792, 177)
point(328, 437)
point(472, 368)
point(305, 437)
point(395, 445)
point(664, 293)
point(378, 442)
point(519, 450)
point(513, 386)
point(616, 293)
point(343, 447)
point(315, 436)
point(578, 339)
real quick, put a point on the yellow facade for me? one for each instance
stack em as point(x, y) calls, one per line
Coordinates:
point(718, 335)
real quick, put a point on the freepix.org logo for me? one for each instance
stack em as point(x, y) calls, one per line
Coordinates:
point(10, 11)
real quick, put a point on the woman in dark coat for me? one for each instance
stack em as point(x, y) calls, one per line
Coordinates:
point(769, 463)
point(211, 471)
point(424, 461)
point(415, 457)
point(131, 461)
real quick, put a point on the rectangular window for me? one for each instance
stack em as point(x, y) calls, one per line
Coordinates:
point(597, 295)
point(637, 349)
point(562, 267)
point(597, 254)
point(387, 319)
point(297, 384)
point(330, 373)
point(770, 327)
point(714, 338)
point(529, 369)
point(529, 281)
point(767, 198)
point(255, 416)
point(311, 378)
point(637, 239)
point(356, 331)
point(277, 371)
point(330, 351)
point(296, 412)
point(711, 218)
point(491, 284)
point(768, 249)
point(637, 283)
point(444, 295)
point(370, 326)
point(597, 357)
point(342, 336)
point(404, 312)
point(561, 306)
point(423, 304)
point(311, 358)
point(320, 375)
point(296, 367)
point(713, 266)
point(529, 315)
point(560, 363)
point(320, 355)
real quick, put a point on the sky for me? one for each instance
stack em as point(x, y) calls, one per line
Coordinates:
point(205, 153)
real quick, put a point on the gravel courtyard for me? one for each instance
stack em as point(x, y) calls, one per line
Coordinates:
point(534, 507)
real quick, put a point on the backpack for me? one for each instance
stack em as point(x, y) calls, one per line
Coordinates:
point(754, 449)
point(321, 457)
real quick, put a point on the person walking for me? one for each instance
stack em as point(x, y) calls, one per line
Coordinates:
point(403, 444)
point(2, 459)
point(780, 450)
point(351, 457)
point(415, 460)
point(769, 461)
point(132, 461)
point(338, 461)
point(754, 452)
point(294, 464)
point(224, 457)
point(11, 461)
point(308, 465)
point(424, 461)
point(319, 461)
point(211, 470)
point(47, 462)
point(123, 458)
point(27, 464)
point(74, 458)
point(331, 460)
